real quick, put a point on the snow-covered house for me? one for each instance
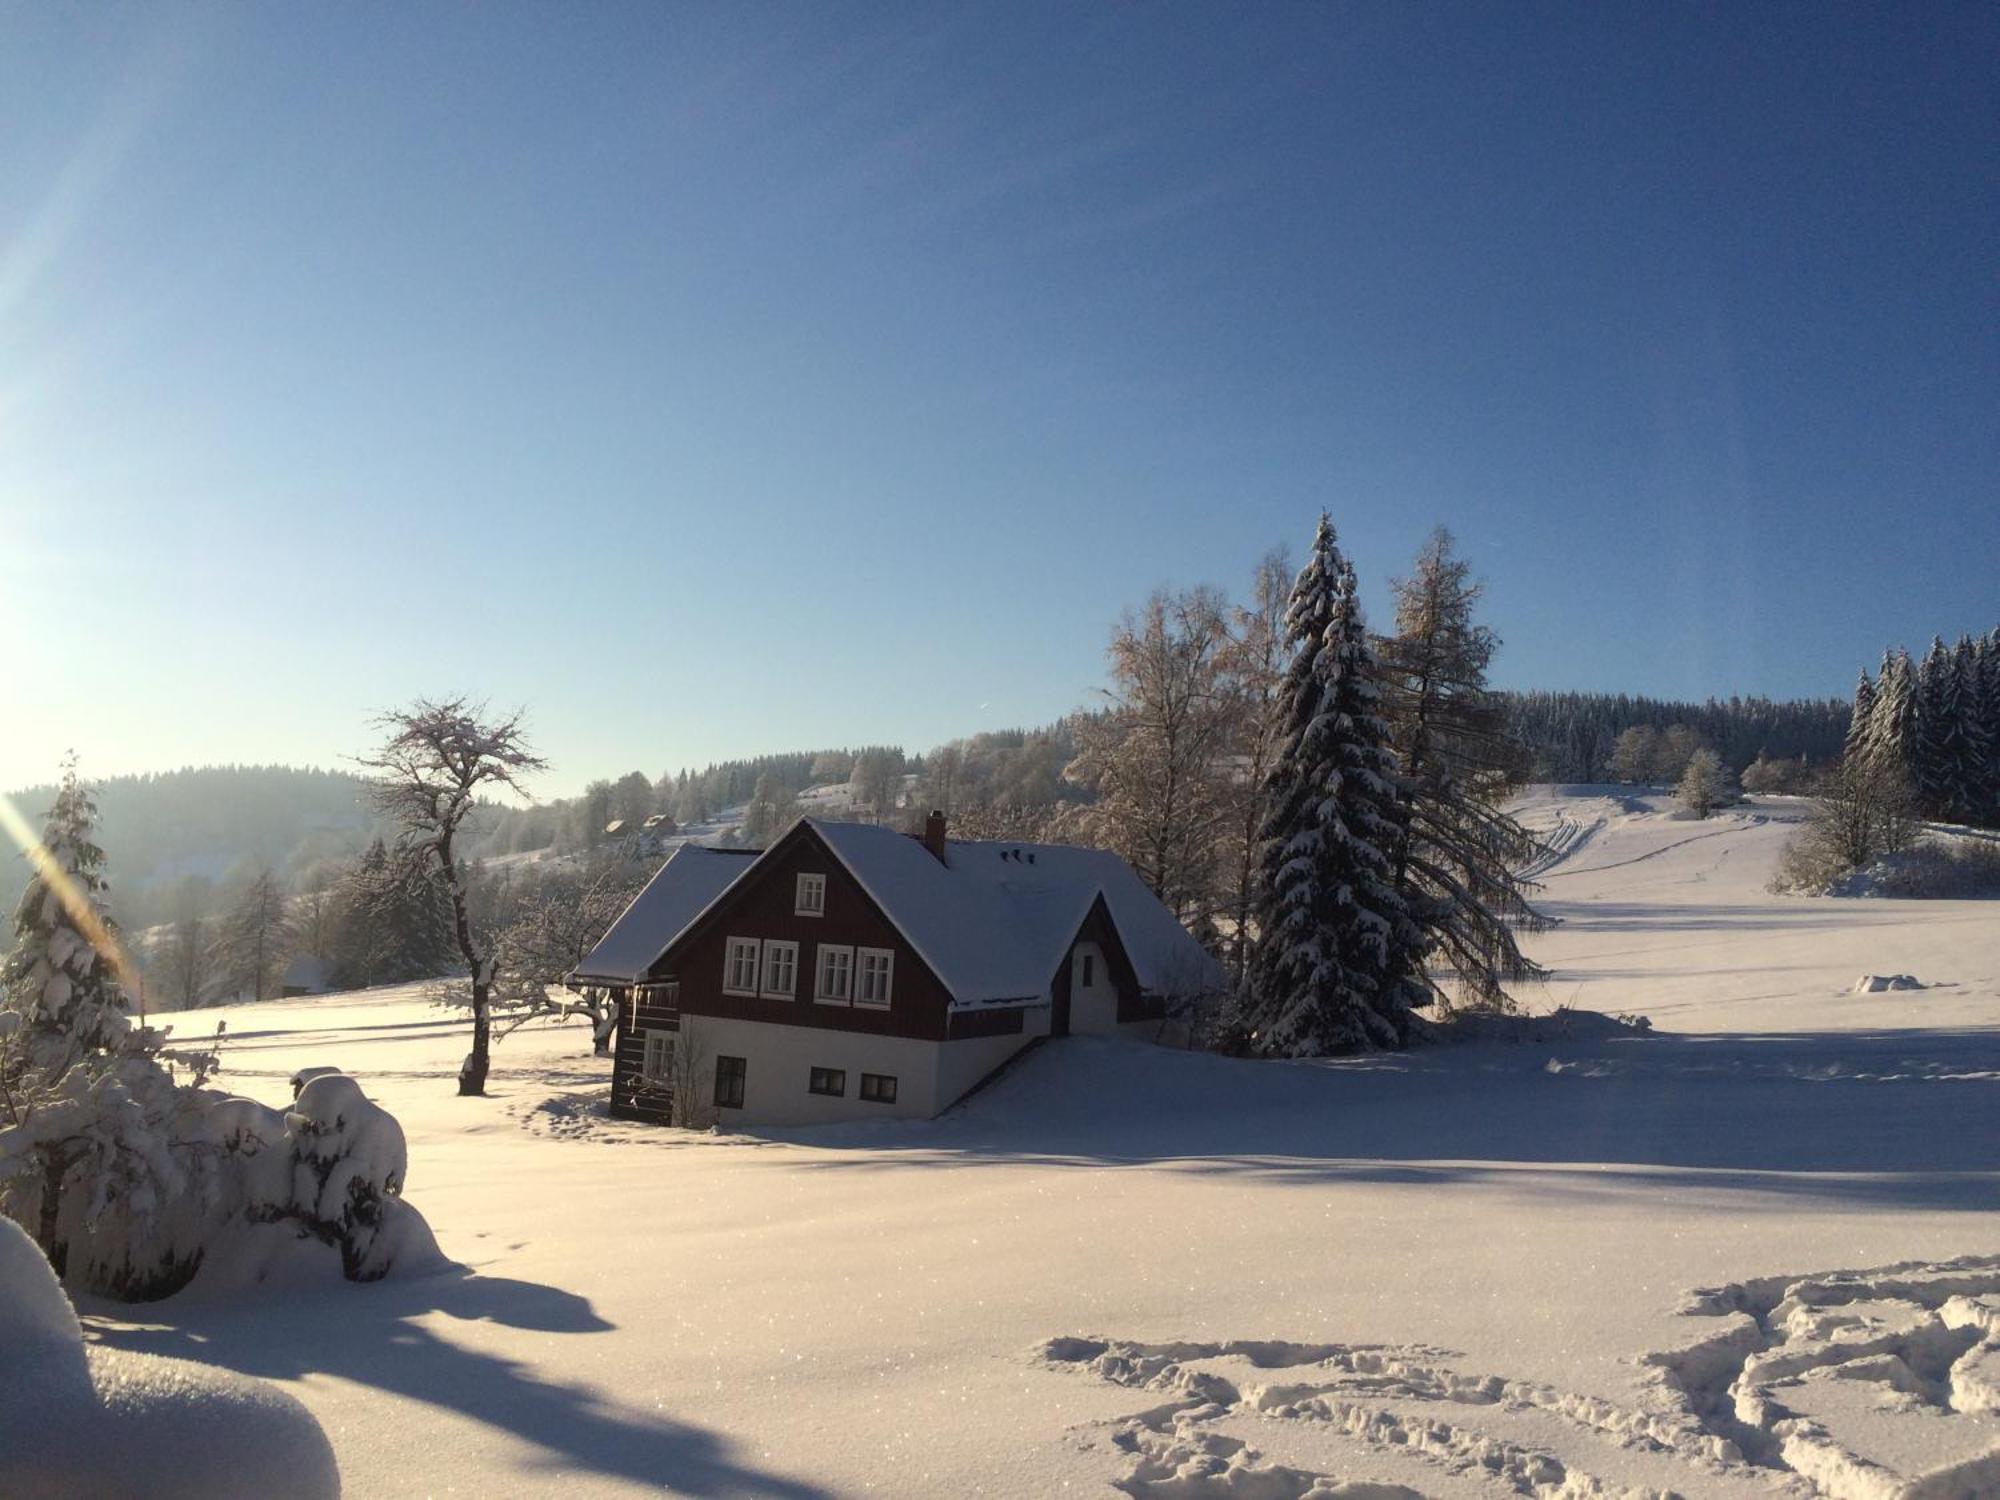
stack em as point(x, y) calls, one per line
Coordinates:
point(850, 971)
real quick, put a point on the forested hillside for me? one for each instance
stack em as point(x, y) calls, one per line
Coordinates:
point(213, 823)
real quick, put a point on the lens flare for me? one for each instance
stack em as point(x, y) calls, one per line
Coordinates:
point(75, 900)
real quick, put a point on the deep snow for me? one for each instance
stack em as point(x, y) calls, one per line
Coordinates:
point(1469, 1271)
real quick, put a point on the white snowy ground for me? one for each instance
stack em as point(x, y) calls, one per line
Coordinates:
point(1463, 1271)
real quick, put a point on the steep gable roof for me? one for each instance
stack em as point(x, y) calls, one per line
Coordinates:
point(992, 921)
point(680, 890)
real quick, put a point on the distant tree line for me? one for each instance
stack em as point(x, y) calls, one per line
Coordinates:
point(1576, 737)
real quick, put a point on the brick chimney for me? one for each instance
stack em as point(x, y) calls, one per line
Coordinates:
point(934, 834)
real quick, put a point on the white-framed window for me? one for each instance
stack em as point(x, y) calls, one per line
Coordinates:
point(811, 900)
point(739, 969)
point(781, 970)
point(658, 1064)
point(834, 984)
point(874, 972)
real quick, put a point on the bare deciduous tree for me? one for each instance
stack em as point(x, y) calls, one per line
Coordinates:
point(436, 759)
point(1158, 758)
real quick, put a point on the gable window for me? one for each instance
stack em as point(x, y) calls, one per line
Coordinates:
point(878, 1088)
point(729, 1075)
point(835, 984)
point(874, 971)
point(739, 970)
point(1089, 968)
point(781, 970)
point(811, 900)
point(658, 1065)
point(828, 1081)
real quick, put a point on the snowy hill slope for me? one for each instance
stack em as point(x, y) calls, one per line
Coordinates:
point(1597, 1263)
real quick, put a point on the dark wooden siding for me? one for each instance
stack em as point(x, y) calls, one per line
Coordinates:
point(994, 1021)
point(651, 1010)
point(763, 906)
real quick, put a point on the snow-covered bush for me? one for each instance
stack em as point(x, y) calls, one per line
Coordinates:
point(1705, 785)
point(127, 1178)
point(1940, 869)
point(79, 1420)
point(348, 1162)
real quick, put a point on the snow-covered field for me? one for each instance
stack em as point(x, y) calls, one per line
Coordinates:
point(1584, 1263)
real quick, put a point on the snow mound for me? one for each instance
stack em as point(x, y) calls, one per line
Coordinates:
point(1877, 984)
point(78, 1423)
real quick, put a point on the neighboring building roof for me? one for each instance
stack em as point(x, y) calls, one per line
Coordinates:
point(1164, 955)
point(680, 890)
point(614, 825)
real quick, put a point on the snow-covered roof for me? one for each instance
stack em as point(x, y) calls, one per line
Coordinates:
point(994, 919)
point(680, 890)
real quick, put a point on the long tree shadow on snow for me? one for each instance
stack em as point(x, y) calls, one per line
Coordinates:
point(370, 1335)
point(1888, 1118)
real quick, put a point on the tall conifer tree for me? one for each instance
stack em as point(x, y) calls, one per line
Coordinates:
point(1339, 955)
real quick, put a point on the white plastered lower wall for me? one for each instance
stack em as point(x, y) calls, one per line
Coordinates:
point(778, 1064)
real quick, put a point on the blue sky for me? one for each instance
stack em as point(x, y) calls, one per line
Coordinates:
point(729, 378)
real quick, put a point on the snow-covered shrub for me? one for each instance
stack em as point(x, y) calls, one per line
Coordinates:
point(86, 1421)
point(1705, 785)
point(1940, 869)
point(348, 1162)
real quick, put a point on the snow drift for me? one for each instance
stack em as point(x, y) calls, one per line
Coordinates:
point(79, 1422)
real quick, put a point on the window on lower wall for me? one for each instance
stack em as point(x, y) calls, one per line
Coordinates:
point(729, 1078)
point(658, 1065)
point(828, 1081)
point(878, 1088)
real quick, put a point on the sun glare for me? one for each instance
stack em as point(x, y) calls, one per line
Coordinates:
point(75, 900)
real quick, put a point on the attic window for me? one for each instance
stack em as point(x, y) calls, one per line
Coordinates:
point(811, 900)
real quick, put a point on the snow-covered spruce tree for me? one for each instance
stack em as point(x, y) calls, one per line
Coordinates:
point(1338, 956)
point(1458, 850)
point(1967, 743)
point(1891, 741)
point(1862, 722)
point(1987, 650)
point(1934, 757)
point(435, 761)
point(89, 1111)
